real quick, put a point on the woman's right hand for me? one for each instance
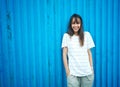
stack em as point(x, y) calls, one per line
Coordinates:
point(67, 72)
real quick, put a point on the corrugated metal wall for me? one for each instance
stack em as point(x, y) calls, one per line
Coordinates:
point(30, 41)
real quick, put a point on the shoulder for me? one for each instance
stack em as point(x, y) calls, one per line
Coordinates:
point(86, 33)
point(66, 35)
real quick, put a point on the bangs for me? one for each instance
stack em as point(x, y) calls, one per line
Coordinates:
point(76, 20)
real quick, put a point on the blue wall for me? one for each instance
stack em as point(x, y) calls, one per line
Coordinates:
point(30, 41)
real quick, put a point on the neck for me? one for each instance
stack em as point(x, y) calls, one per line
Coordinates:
point(76, 34)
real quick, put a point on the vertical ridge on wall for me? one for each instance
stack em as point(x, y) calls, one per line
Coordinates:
point(51, 35)
point(98, 43)
point(17, 38)
point(37, 44)
point(31, 45)
point(104, 43)
point(11, 50)
point(84, 13)
point(118, 43)
point(45, 55)
point(115, 47)
point(5, 45)
point(2, 18)
point(110, 56)
point(58, 26)
point(24, 43)
point(1, 81)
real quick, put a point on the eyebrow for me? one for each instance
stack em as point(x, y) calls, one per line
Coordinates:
point(76, 20)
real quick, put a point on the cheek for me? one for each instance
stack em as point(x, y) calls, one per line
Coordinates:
point(79, 26)
point(72, 26)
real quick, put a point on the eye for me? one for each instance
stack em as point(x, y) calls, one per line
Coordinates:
point(78, 22)
point(73, 22)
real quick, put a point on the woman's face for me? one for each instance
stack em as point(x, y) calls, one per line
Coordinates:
point(76, 24)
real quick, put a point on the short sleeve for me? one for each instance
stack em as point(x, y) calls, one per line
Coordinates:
point(90, 42)
point(64, 40)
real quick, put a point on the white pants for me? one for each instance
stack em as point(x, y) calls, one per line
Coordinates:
point(85, 81)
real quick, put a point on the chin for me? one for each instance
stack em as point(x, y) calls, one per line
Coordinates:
point(76, 30)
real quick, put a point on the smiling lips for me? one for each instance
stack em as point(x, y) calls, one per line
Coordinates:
point(76, 28)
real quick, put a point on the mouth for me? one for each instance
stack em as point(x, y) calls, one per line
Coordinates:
point(75, 28)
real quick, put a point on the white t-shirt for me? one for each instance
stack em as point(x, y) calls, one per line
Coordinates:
point(78, 58)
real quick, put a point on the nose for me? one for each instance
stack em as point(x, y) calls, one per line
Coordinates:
point(75, 24)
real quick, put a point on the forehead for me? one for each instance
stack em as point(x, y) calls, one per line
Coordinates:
point(76, 19)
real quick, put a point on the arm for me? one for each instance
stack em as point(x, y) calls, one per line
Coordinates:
point(65, 50)
point(90, 58)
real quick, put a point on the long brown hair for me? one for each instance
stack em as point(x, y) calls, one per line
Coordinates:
point(81, 30)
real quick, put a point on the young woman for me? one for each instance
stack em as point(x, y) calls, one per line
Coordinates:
point(77, 57)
